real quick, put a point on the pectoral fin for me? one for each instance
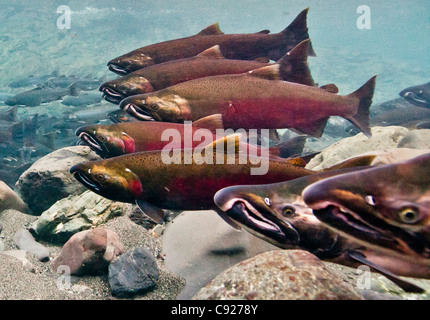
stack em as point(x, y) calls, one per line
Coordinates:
point(405, 285)
point(154, 213)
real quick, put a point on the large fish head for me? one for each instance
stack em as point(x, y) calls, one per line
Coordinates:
point(109, 180)
point(167, 108)
point(106, 140)
point(116, 90)
point(417, 95)
point(385, 207)
point(274, 213)
point(129, 62)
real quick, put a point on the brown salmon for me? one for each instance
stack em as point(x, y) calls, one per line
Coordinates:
point(257, 99)
point(233, 46)
point(385, 207)
point(276, 213)
point(113, 140)
point(183, 179)
point(293, 67)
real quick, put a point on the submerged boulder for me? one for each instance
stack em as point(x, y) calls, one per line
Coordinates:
point(74, 214)
point(383, 138)
point(279, 275)
point(89, 252)
point(416, 139)
point(49, 180)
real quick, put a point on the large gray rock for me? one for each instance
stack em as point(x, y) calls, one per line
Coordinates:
point(416, 139)
point(383, 138)
point(74, 214)
point(89, 252)
point(279, 275)
point(134, 272)
point(9, 199)
point(48, 179)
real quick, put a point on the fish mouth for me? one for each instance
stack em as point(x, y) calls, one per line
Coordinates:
point(111, 95)
point(413, 98)
point(117, 68)
point(347, 221)
point(92, 143)
point(366, 227)
point(137, 112)
point(86, 181)
point(259, 224)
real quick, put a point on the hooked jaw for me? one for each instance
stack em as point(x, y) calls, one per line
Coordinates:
point(135, 111)
point(259, 220)
point(91, 142)
point(79, 172)
point(415, 99)
point(110, 94)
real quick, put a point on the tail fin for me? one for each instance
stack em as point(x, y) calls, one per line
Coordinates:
point(365, 95)
point(47, 139)
point(294, 67)
point(297, 31)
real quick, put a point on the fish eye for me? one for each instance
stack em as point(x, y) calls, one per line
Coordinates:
point(102, 138)
point(267, 201)
point(420, 92)
point(100, 177)
point(409, 215)
point(154, 106)
point(288, 211)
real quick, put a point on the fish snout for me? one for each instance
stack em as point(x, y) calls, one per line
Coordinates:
point(111, 94)
point(130, 106)
point(117, 68)
point(224, 199)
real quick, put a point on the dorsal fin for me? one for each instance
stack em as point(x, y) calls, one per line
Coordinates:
point(332, 88)
point(293, 66)
point(265, 31)
point(211, 30)
point(212, 122)
point(226, 141)
point(269, 72)
point(211, 53)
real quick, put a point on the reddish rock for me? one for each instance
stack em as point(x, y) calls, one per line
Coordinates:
point(89, 252)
